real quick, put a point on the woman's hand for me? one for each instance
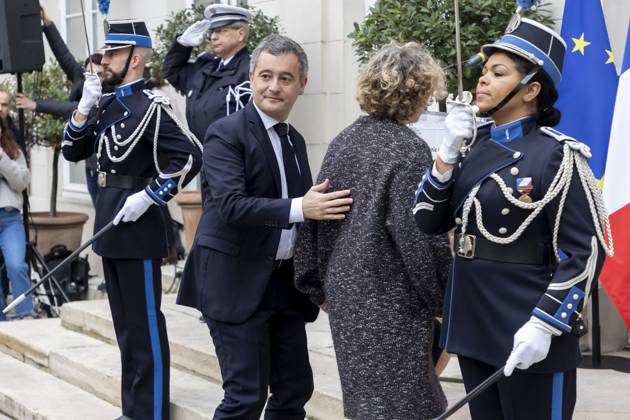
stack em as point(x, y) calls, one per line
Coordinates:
point(22, 101)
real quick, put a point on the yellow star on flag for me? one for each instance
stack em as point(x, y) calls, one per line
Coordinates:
point(580, 44)
point(611, 58)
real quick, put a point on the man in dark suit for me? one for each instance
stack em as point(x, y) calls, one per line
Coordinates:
point(239, 273)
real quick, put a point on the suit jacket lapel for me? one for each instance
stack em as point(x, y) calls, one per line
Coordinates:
point(260, 134)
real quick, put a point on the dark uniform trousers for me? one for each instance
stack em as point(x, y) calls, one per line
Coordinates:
point(268, 351)
point(522, 396)
point(134, 291)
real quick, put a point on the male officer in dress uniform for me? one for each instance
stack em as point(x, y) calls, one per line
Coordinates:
point(144, 158)
point(214, 85)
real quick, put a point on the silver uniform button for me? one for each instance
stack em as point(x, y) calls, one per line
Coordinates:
point(126, 113)
point(563, 314)
point(122, 125)
point(113, 171)
point(576, 296)
point(569, 306)
point(118, 136)
point(458, 221)
point(514, 171)
point(516, 155)
point(505, 211)
point(502, 231)
point(115, 147)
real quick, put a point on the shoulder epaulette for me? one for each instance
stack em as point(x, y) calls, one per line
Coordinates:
point(574, 144)
point(156, 97)
point(553, 133)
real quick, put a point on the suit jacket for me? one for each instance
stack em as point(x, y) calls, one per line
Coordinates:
point(204, 85)
point(235, 246)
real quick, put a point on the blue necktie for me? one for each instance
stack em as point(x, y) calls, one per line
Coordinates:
point(291, 170)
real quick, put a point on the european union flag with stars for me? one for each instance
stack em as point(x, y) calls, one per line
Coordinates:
point(589, 80)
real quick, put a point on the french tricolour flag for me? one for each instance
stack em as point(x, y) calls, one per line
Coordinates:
point(616, 273)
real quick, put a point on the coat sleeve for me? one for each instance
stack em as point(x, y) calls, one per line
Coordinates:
point(15, 172)
point(582, 255)
point(66, 60)
point(57, 108)
point(432, 209)
point(176, 68)
point(178, 157)
point(308, 260)
point(224, 173)
point(79, 142)
point(426, 258)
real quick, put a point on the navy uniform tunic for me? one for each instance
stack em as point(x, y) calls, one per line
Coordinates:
point(118, 115)
point(129, 142)
point(491, 295)
point(206, 85)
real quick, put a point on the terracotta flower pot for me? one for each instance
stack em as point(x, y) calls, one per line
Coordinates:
point(190, 203)
point(64, 229)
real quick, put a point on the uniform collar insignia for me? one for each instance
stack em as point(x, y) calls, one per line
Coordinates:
point(130, 88)
point(512, 130)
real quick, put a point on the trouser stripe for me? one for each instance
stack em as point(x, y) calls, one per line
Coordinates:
point(556, 396)
point(155, 340)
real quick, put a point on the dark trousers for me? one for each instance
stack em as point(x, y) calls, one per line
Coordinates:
point(522, 396)
point(268, 351)
point(134, 290)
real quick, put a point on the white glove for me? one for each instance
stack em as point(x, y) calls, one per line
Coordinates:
point(135, 206)
point(459, 125)
point(531, 345)
point(194, 35)
point(91, 93)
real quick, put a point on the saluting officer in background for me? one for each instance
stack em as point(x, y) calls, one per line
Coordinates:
point(141, 166)
point(217, 84)
point(531, 232)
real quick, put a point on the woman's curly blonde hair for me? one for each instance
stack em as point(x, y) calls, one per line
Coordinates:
point(398, 80)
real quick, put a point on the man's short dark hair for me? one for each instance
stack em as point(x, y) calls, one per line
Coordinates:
point(275, 44)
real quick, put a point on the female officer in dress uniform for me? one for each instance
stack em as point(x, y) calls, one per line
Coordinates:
point(531, 232)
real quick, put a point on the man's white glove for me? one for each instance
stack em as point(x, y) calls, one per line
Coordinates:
point(531, 345)
point(459, 126)
point(91, 93)
point(135, 206)
point(194, 35)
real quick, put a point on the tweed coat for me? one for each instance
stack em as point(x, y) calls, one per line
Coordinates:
point(382, 279)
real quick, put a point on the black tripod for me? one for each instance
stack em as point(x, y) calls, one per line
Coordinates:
point(48, 296)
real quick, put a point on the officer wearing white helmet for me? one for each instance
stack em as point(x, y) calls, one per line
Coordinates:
point(217, 83)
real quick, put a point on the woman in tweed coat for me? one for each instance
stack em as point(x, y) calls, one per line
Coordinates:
point(380, 279)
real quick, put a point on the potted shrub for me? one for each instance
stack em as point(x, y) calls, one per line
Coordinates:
point(260, 26)
point(51, 227)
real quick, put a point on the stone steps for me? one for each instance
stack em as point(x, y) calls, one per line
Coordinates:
point(28, 393)
point(192, 350)
point(94, 366)
point(78, 352)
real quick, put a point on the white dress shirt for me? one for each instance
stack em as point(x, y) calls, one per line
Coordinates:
point(288, 236)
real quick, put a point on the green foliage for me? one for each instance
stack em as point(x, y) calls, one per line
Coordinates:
point(260, 26)
point(431, 23)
